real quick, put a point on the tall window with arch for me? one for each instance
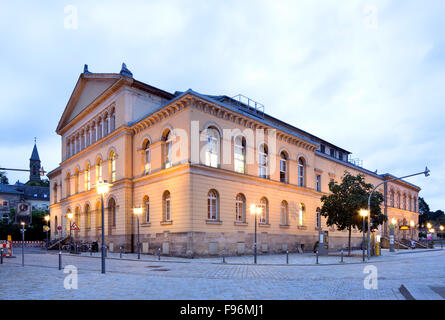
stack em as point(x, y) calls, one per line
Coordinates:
point(240, 208)
point(146, 202)
point(87, 177)
point(409, 204)
point(284, 213)
point(68, 184)
point(263, 161)
point(212, 205)
point(301, 172)
point(391, 198)
point(147, 156)
point(98, 170)
point(99, 129)
point(318, 218)
point(301, 214)
point(111, 214)
point(76, 181)
point(212, 147)
point(240, 154)
point(398, 200)
point(87, 217)
point(283, 166)
point(55, 193)
point(166, 199)
point(98, 216)
point(113, 166)
point(112, 120)
point(404, 202)
point(264, 216)
point(168, 150)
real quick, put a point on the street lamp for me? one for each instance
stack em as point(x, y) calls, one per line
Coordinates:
point(441, 228)
point(47, 230)
point(138, 212)
point(364, 214)
point(102, 187)
point(428, 225)
point(23, 243)
point(255, 210)
point(426, 172)
point(412, 225)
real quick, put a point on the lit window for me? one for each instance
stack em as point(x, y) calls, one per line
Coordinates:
point(301, 172)
point(168, 150)
point(87, 177)
point(263, 162)
point(113, 166)
point(284, 213)
point(212, 148)
point(264, 216)
point(301, 213)
point(147, 158)
point(240, 208)
point(283, 167)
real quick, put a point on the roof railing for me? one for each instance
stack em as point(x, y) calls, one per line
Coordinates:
point(249, 105)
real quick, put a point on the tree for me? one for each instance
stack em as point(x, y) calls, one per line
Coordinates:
point(342, 206)
point(3, 178)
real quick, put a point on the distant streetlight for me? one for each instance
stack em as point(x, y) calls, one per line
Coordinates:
point(255, 210)
point(428, 225)
point(102, 188)
point(47, 230)
point(441, 228)
point(364, 214)
point(138, 212)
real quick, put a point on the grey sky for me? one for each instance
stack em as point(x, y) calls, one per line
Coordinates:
point(364, 75)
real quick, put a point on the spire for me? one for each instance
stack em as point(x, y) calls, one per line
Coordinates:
point(35, 153)
point(85, 69)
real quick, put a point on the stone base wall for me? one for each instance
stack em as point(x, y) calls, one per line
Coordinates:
point(202, 244)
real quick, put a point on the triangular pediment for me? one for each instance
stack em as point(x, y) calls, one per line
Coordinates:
point(89, 88)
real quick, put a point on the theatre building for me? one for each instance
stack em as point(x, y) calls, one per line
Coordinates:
point(196, 163)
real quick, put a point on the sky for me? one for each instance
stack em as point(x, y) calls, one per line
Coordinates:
point(367, 76)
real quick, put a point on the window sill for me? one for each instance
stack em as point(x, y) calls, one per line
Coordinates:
point(213, 222)
point(239, 223)
point(285, 226)
point(302, 228)
point(165, 223)
point(317, 229)
point(264, 225)
point(146, 224)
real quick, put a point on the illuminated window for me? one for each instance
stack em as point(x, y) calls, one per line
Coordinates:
point(113, 166)
point(212, 205)
point(240, 154)
point(87, 177)
point(263, 161)
point(301, 172)
point(301, 214)
point(284, 213)
point(212, 148)
point(264, 216)
point(240, 208)
point(147, 157)
point(168, 156)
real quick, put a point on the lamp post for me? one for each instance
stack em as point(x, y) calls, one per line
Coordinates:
point(47, 230)
point(138, 212)
point(412, 225)
point(23, 242)
point(364, 214)
point(102, 188)
point(255, 210)
point(426, 173)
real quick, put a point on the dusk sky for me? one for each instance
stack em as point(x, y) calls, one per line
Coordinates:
point(367, 76)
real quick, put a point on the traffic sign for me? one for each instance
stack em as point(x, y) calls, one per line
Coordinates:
point(75, 227)
point(46, 228)
point(59, 228)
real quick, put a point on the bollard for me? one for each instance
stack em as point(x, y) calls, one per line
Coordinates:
point(341, 257)
point(159, 254)
point(1, 256)
point(287, 256)
point(106, 251)
point(120, 254)
point(60, 260)
point(316, 254)
point(224, 257)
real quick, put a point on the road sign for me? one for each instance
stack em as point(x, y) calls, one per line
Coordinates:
point(23, 213)
point(59, 228)
point(75, 227)
point(46, 228)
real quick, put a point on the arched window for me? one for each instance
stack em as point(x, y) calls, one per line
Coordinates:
point(240, 208)
point(68, 184)
point(111, 214)
point(106, 126)
point(98, 215)
point(391, 198)
point(99, 129)
point(166, 199)
point(55, 192)
point(264, 216)
point(404, 202)
point(301, 214)
point(112, 121)
point(146, 202)
point(301, 172)
point(147, 157)
point(284, 213)
point(410, 208)
point(88, 136)
point(168, 151)
point(283, 167)
point(87, 177)
point(398, 200)
point(93, 133)
point(240, 154)
point(112, 166)
point(98, 170)
point(263, 161)
point(318, 218)
point(87, 217)
point(212, 205)
point(212, 148)
point(76, 181)
point(68, 148)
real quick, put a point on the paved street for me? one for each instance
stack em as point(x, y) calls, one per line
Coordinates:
point(175, 278)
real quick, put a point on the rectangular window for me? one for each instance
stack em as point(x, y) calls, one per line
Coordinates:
point(332, 153)
point(322, 148)
point(318, 183)
point(147, 167)
point(283, 170)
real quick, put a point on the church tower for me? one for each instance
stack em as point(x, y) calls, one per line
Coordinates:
point(34, 165)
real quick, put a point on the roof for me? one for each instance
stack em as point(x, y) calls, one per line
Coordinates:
point(35, 154)
point(28, 192)
point(7, 188)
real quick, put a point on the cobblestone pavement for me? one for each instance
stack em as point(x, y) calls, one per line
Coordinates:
point(174, 278)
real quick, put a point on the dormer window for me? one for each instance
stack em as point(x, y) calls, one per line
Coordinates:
point(322, 148)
